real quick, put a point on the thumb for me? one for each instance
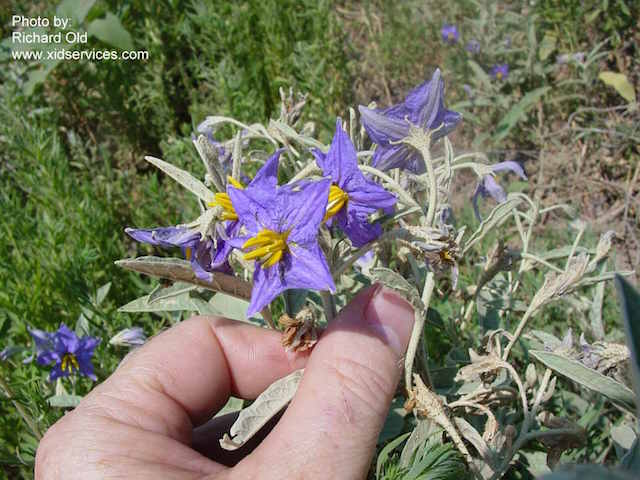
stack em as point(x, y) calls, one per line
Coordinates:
point(331, 427)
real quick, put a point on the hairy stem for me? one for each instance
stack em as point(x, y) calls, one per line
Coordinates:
point(418, 326)
point(328, 304)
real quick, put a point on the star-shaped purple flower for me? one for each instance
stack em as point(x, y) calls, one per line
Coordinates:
point(500, 71)
point(352, 197)
point(488, 187)
point(423, 107)
point(450, 34)
point(69, 353)
point(282, 226)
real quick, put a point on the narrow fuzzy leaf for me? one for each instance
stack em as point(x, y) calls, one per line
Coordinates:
point(397, 282)
point(64, 401)
point(630, 301)
point(180, 270)
point(184, 178)
point(587, 377)
point(497, 215)
point(263, 409)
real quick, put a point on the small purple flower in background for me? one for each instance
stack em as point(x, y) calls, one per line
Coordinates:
point(282, 226)
point(467, 89)
point(500, 71)
point(423, 107)
point(69, 353)
point(129, 337)
point(352, 197)
point(488, 187)
point(473, 46)
point(449, 33)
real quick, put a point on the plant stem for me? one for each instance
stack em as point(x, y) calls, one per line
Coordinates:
point(31, 423)
point(392, 184)
point(517, 333)
point(418, 326)
point(328, 304)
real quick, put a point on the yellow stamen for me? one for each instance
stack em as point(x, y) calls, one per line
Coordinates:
point(270, 247)
point(499, 75)
point(69, 362)
point(222, 199)
point(235, 182)
point(337, 199)
point(188, 252)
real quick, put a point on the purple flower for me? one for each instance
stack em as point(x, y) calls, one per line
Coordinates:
point(282, 225)
point(69, 353)
point(488, 187)
point(500, 71)
point(449, 33)
point(352, 197)
point(423, 107)
point(473, 46)
point(129, 337)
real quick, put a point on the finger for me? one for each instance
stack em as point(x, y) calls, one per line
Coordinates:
point(332, 425)
point(184, 375)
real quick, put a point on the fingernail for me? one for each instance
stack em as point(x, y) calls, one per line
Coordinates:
point(393, 317)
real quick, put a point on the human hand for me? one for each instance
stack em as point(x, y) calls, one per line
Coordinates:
point(140, 422)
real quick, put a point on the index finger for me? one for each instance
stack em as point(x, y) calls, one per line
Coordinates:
point(184, 375)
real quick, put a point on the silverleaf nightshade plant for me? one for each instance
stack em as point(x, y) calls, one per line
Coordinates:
point(343, 217)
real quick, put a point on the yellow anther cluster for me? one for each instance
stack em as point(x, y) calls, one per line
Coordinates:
point(223, 200)
point(69, 362)
point(337, 199)
point(268, 247)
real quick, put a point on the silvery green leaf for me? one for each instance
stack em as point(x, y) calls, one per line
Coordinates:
point(623, 436)
point(630, 302)
point(394, 422)
point(82, 325)
point(209, 156)
point(173, 303)
point(591, 379)
point(180, 270)
point(469, 433)
point(556, 254)
point(102, 293)
point(174, 290)
point(236, 156)
point(64, 401)
point(263, 409)
point(397, 282)
point(287, 132)
point(203, 307)
point(231, 307)
point(536, 462)
point(233, 405)
point(497, 216)
point(595, 314)
point(184, 178)
point(544, 340)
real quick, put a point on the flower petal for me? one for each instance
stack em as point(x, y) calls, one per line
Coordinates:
point(341, 162)
point(303, 209)
point(382, 128)
point(307, 268)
